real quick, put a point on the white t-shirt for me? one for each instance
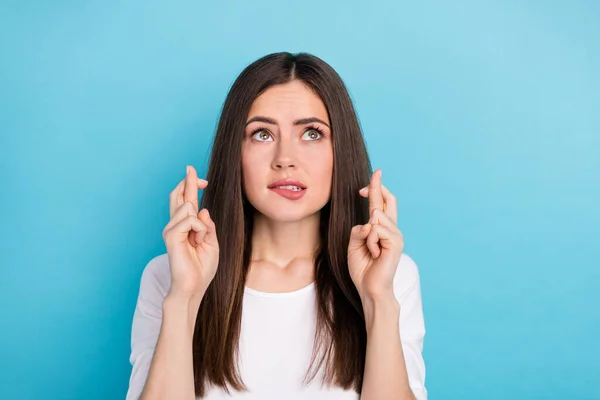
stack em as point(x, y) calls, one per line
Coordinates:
point(276, 338)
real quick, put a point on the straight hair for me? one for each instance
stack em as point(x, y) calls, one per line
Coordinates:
point(340, 336)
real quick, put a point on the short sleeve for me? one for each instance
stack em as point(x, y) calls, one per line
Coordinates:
point(407, 289)
point(154, 285)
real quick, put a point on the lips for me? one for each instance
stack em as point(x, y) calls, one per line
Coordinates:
point(289, 194)
point(287, 182)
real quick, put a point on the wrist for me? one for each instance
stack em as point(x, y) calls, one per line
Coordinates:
point(181, 298)
point(380, 308)
point(383, 298)
point(177, 306)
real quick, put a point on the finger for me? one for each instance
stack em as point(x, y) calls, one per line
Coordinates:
point(184, 211)
point(211, 231)
point(378, 217)
point(375, 193)
point(358, 234)
point(199, 236)
point(190, 192)
point(181, 231)
point(386, 236)
point(176, 196)
point(380, 238)
point(373, 243)
point(389, 200)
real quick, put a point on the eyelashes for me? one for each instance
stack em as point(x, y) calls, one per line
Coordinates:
point(315, 128)
point(308, 128)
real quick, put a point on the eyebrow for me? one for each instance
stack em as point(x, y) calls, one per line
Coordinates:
point(302, 121)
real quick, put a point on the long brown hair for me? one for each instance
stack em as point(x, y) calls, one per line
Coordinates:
point(340, 337)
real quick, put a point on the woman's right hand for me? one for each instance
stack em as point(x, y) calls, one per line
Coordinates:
point(191, 240)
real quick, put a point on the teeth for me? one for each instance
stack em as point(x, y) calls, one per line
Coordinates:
point(294, 188)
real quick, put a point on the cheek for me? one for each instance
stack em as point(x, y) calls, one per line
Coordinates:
point(252, 170)
point(324, 157)
point(321, 167)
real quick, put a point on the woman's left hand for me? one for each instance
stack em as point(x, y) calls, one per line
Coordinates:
point(375, 248)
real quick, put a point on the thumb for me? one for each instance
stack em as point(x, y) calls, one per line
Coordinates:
point(358, 235)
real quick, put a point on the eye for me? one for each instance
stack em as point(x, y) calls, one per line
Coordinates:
point(314, 132)
point(262, 133)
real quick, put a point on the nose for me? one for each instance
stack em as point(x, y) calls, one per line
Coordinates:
point(284, 155)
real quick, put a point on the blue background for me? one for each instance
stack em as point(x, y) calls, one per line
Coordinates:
point(483, 115)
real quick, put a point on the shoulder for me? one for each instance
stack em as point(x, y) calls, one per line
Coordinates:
point(156, 275)
point(406, 277)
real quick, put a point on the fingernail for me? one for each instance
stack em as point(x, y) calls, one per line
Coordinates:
point(380, 173)
point(187, 170)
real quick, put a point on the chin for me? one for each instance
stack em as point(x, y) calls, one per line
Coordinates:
point(279, 209)
point(291, 214)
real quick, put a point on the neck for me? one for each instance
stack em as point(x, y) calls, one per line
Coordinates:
point(282, 243)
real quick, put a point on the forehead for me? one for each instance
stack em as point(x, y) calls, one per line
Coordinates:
point(290, 100)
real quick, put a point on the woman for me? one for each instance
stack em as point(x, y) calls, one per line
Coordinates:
point(290, 282)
